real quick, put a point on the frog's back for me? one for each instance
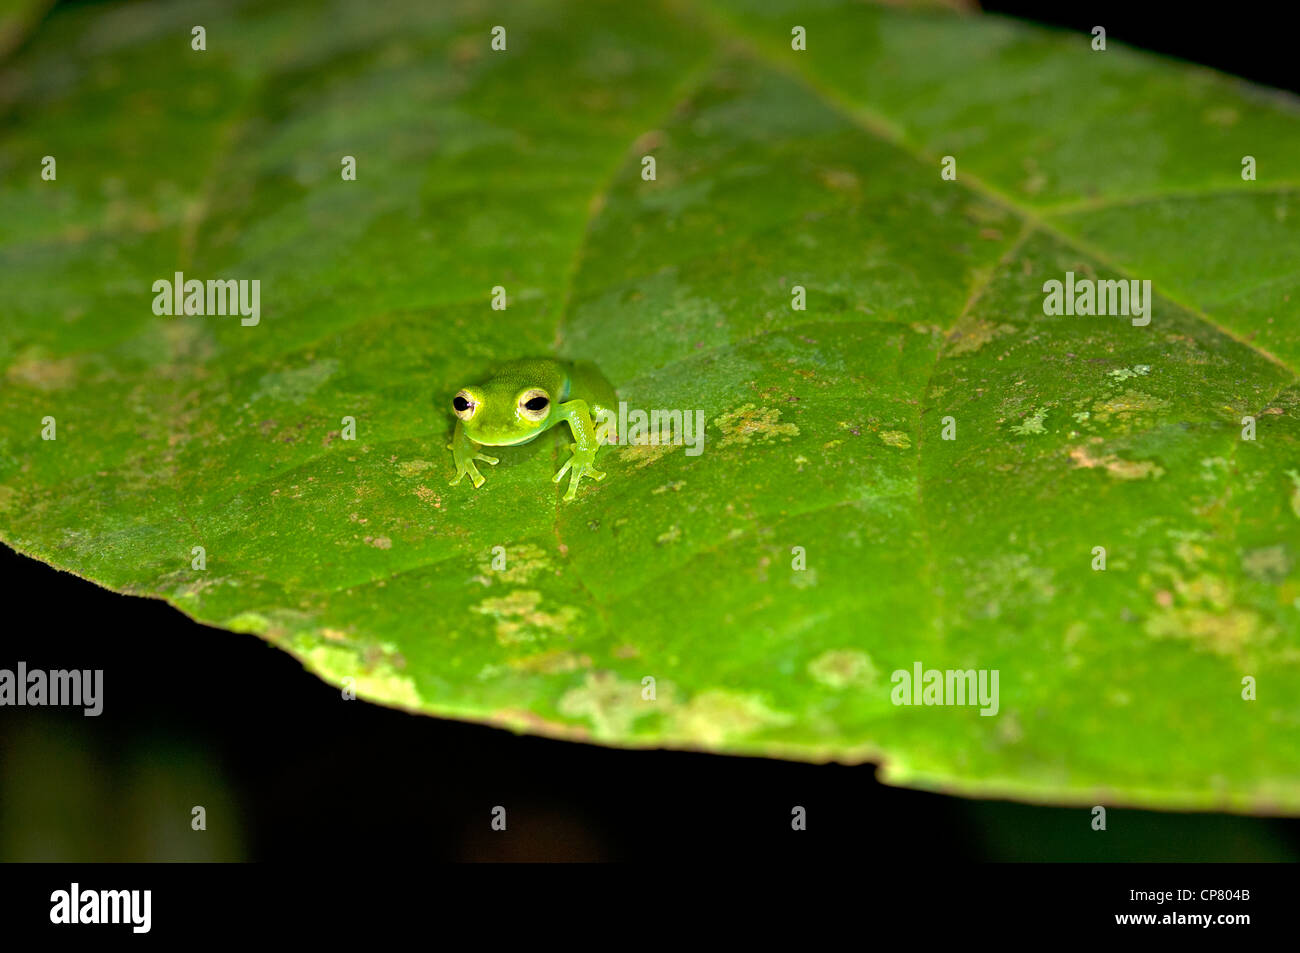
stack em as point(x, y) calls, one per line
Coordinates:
point(549, 374)
point(563, 380)
point(586, 382)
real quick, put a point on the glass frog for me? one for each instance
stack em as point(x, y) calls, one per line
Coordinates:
point(523, 399)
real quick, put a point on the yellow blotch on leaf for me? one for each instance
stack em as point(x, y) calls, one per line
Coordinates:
point(747, 424)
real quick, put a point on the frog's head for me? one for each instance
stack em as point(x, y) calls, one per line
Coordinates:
point(501, 412)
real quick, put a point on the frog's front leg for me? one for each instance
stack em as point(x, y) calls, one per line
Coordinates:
point(464, 452)
point(578, 416)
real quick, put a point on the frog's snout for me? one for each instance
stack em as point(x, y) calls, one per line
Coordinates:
point(500, 437)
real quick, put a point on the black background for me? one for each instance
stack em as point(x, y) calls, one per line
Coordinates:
point(289, 770)
point(1255, 40)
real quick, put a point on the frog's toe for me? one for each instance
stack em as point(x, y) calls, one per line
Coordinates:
point(596, 475)
point(468, 470)
point(486, 459)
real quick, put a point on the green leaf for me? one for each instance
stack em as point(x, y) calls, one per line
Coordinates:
point(775, 168)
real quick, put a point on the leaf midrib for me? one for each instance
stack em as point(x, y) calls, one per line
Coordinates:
point(729, 37)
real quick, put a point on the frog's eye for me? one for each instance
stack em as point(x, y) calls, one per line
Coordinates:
point(534, 404)
point(464, 405)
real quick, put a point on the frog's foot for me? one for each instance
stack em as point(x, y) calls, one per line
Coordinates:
point(466, 468)
point(581, 465)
